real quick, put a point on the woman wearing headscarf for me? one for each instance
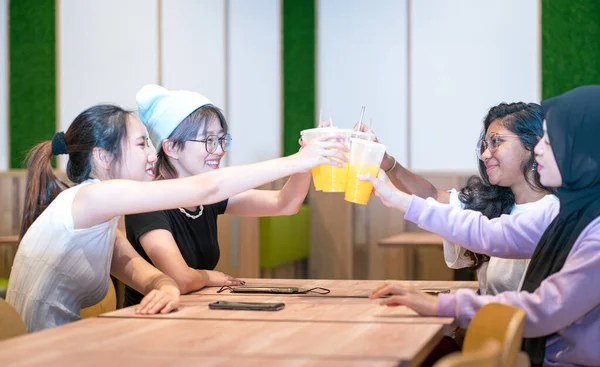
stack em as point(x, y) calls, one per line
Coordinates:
point(559, 294)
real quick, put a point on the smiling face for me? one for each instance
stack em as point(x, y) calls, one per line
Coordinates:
point(138, 158)
point(546, 162)
point(184, 153)
point(504, 157)
point(194, 159)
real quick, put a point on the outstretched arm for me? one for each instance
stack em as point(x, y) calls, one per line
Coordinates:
point(405, 180)
point(509, 236)
point(262, 203)
point(112, 198)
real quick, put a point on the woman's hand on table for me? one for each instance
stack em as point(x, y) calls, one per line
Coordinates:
point(163, 300)
point(219, 279)
point(403, 295)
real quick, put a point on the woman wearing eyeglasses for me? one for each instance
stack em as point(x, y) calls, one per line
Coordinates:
point(559, 293)
point(508, 184)
point(191, 137)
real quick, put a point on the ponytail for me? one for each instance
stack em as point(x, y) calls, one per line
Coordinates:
point(102, 126)
point(42, 185)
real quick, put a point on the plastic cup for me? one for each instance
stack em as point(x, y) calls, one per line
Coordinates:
point(335, 178)
point(365, 158)
point(363, 135)
point(307, 136)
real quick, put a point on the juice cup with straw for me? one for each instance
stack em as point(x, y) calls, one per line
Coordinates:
point(307, 136)
point(365, 158)
point(363, 135)
point(334, 178)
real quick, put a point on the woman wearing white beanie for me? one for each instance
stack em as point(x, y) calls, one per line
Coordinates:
point(69, 238)
point(191, 137)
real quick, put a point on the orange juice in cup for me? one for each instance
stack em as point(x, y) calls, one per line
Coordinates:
point(365, 158)
point(307, 136)
point(334, 178)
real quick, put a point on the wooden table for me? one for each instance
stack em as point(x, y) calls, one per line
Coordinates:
point(152, 359)
point(297, 309)
point(342, 288)
point(102, 341)
point(344, 329)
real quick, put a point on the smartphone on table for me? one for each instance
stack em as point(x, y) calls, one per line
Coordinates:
point(248, 306)
point(435, 291)
point(275, 290)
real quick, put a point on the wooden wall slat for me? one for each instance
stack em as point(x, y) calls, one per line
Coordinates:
point(331, 242)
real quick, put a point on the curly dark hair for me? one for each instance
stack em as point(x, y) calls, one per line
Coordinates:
point(525, 120)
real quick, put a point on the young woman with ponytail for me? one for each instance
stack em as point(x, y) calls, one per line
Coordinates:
point(69, 241)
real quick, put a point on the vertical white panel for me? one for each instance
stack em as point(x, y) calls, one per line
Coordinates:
point(254, 80)
point(193, 47)
point(362, 60)
point(4, 85)
point(466, 56)
point(108, 51)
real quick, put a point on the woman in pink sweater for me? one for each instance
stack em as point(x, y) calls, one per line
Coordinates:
point(559, 293)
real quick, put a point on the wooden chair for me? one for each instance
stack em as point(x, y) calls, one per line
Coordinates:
point(489, 355)
point(108, 304)
point(503, 324)
point(11, 324)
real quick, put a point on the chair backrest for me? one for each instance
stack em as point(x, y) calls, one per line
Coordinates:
point(500, 322)
point(489, 355)
point(11, 324)
point(108, 304)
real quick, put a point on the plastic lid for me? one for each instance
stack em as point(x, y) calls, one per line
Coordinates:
point(367, 142)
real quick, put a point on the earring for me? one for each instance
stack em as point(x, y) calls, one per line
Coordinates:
point(534, 166)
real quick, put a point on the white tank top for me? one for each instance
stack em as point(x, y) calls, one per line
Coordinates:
point(58, 269)
point(498, 275)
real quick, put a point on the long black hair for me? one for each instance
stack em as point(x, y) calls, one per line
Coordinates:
point(524, 120)
point(103, 126)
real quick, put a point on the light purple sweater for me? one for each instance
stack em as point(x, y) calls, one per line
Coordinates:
point(567, 302)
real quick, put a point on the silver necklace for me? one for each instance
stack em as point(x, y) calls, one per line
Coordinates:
point(192, 216)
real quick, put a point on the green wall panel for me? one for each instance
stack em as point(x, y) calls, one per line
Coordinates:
point(284, 239)
point(298, 71)
point(570, 45)
point(32, 84)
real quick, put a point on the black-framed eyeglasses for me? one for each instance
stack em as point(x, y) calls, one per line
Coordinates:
point(492, 143)
point(212, 142)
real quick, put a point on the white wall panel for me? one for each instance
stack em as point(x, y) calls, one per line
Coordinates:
point(107, 51)
point(362, 60)
point(466, 56)
point(254, 80)
point(4, 85)
point(193, 47)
